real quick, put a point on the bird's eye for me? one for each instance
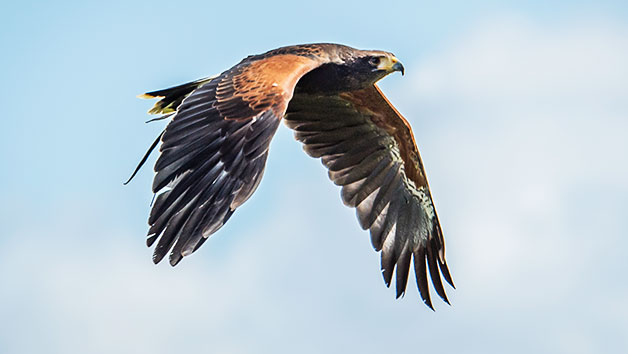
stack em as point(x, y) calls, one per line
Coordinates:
point(374, 61)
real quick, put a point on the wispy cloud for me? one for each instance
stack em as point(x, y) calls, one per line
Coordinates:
point(527, 157)
point(522, 129)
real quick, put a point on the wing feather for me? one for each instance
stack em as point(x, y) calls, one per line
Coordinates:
point(214, 150)
point(369, 150)
point(420, 272)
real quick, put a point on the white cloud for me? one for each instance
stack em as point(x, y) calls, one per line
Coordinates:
point(526, 148)
point(512, 61)
point(522, 129)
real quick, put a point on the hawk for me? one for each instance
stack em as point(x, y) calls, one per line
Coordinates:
point(214, 149)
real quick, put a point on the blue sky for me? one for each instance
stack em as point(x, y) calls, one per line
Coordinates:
point(520, 110)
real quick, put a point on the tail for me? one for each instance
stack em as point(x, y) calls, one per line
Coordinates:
point(172, 97)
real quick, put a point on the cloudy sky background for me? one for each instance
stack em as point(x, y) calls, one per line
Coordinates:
point(520, 110)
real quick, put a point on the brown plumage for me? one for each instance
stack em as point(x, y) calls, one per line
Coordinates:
point(213, 152)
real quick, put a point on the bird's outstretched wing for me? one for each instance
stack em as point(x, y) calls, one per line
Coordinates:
point(369, 150)
point(214, 149)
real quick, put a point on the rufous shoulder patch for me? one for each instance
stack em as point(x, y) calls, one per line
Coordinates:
point(262, 84)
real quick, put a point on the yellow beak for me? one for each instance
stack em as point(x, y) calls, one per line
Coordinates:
point(391, 64)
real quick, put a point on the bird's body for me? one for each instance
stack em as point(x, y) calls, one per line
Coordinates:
point(214, 150)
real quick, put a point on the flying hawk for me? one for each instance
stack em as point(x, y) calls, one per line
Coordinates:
point(214, 149)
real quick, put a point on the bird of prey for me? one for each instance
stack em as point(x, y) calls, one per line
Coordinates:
point(214, 149)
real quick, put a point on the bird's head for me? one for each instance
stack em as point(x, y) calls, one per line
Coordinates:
point(373, 65)
point(348, 69)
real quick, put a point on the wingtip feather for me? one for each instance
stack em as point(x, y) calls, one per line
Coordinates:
point(175, 258)
point(157, 258)
point(429, 304)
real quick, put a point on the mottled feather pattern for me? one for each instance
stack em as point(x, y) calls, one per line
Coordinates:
point(365, 158)
point(256, 85)
point(214, 150)
point(206, 169)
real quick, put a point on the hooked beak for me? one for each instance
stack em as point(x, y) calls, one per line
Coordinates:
point(398, 67)
point(391, 64)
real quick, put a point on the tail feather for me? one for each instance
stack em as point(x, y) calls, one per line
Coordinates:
point(172, 97)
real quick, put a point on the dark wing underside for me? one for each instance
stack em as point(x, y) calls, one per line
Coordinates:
point(214, 150)
point(208, 166)
point(367, 160)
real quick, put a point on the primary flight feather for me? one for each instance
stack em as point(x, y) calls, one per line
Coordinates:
point(214, 149)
